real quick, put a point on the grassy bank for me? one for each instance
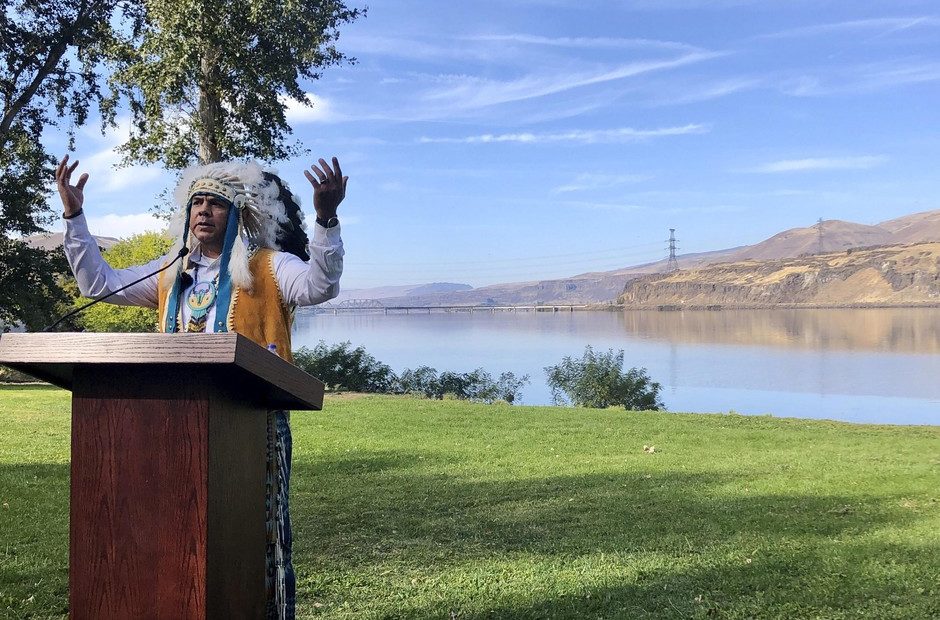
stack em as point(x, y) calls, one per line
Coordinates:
point(426, 509)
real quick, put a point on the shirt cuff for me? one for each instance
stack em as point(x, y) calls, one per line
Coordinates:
point(77, 226)
point(326, 236)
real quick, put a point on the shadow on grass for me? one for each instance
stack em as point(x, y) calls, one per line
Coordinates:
point(392, 509)
point(34, 540)
point(785, 584)
point(381, 499)
point(681, 543)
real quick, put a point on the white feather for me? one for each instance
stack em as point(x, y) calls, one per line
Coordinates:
point(238, 266)
point(260, 214)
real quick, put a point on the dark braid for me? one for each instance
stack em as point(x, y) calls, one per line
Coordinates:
point(291, 236)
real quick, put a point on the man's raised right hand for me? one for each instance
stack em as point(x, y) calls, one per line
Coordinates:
point(73, 196)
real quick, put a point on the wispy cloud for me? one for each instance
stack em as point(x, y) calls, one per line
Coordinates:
point(583, 136)
point(585, 42)
point(864, 162)
point(861, 79)
point(588, 182)
point(494, 69)
point(417, 48)
point(691, 93)
point(470, 92)
point(884, 26)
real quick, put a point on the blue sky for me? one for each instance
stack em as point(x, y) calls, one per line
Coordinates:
point(505, 141)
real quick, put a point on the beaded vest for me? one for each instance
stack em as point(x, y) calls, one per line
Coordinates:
point(260, 314)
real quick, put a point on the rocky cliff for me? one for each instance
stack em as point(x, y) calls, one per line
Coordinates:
point(897, 275)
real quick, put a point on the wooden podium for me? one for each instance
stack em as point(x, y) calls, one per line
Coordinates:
point(167, 510)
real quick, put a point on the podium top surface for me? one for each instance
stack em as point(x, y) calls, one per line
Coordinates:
point(53, 356)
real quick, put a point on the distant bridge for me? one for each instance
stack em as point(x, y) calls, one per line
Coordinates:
point(359, 304)
point(372, 305)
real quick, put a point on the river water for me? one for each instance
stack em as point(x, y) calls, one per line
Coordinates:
point(873, 365)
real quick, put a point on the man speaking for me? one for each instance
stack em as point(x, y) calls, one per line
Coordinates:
point(248, 266)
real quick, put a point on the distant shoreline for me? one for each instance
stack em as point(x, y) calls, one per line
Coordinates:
point(611, 307)
point(720, 307)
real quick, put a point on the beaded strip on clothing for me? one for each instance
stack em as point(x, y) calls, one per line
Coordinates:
point(230, 319)
point(206, 185)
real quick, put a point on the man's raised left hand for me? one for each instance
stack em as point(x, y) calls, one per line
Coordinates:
point(329, 187)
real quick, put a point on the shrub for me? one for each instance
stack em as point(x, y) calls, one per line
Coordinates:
point(508, 386)
point(422, 380)
point(342, 367)
point(597, 380)
point(477, 385)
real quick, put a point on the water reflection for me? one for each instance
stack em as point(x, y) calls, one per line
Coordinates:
point(908, 330)
point(857, 365)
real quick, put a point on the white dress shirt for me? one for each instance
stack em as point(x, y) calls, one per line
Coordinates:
point(301, 284)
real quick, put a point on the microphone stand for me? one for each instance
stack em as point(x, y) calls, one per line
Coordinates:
point(183, 252)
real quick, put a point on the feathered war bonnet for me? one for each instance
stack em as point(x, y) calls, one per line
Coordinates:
point(255, 215)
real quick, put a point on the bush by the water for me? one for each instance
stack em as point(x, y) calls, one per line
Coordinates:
point(344, 368)
point(597, 380)
point(477, 386)
point(341, 367)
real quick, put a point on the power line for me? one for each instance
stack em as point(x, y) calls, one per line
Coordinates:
point(524, 271)
point(516, 259)
point(619, 262)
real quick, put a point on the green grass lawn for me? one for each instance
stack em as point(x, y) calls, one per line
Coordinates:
point(408, 508)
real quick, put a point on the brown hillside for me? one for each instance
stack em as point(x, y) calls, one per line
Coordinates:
point(883, 276)
point(837, 236)
point(50, 241)
point(915, 228)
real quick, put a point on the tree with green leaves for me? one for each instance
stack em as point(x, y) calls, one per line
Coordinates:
point(598, 380)
point(52, 55)
point(105, 317)
point(209, 80)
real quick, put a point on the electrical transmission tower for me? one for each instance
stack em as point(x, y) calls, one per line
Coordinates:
point(672, 264)
point(819, 236)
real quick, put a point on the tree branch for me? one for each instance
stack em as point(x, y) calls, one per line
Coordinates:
point(56, 52)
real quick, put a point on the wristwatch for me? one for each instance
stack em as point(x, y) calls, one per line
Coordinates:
point(330, 223)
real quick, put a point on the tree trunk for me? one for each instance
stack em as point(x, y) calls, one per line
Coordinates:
point(210, 109)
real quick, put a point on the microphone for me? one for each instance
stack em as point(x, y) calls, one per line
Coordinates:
point(183, 252)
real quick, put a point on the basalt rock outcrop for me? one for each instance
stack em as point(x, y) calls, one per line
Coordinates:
point(897, 275)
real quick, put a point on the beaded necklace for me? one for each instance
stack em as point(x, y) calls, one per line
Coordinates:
point(201, 297)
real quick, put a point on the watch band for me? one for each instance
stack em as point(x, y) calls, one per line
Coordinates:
point(329, 223)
